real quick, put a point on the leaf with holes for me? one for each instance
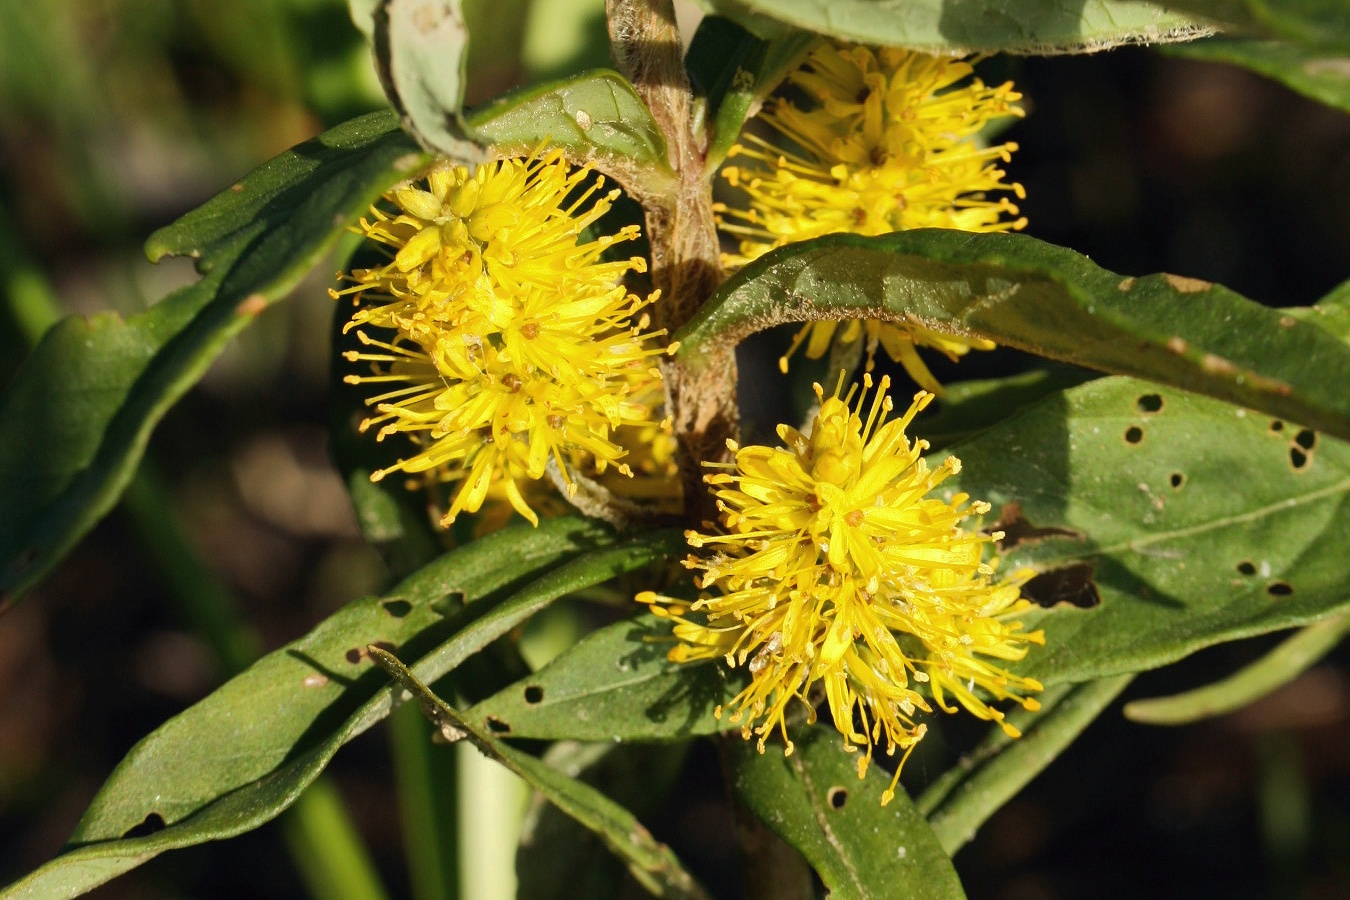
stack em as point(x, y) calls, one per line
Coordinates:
point(1163, 522)
point(239, 757)
point(76, 418)
point(815, 801)
point(1049, 300)
point(616, 684)
point(649, 861)
point(961, 26)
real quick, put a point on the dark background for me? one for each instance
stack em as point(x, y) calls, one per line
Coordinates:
point(116, 117)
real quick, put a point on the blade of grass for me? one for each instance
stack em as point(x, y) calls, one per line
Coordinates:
point(326, 848)
point(425, 777)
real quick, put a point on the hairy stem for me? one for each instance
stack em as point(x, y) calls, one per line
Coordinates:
point(686, 264)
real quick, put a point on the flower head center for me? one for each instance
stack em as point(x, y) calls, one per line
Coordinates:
point(490, 221)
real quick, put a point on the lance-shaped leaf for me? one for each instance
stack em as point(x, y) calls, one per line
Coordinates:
point(269, 198)
point(1321, 23)
point(815, 801)
point(1162, 522)
point(1295, 655)
point(650, 862)
point(734, 71)
point(1313, 72)
point(242, 755)
point(76, 418)
point(421, 48)
point(1049, 300)
point(594, 116)
point(957, 26)
point(554, 849)
point(1001, 766)
point(1331, 313)
point(616, 684)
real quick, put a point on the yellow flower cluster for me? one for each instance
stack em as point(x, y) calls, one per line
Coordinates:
point(504, 340)
point(887, 141)
point(838, 574)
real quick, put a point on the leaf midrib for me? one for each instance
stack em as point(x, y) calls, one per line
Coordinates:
point(1136, 545)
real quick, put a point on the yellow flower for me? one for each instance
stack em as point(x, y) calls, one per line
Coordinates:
point(652, 450)
point(886, 143)
point(838, 574)
point(513, 343)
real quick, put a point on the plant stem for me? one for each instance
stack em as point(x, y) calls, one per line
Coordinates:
point(686, 259)
point(491, 813)
point(686, 264)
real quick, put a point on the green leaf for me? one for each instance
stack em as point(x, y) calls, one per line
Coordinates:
point(734, 71)
point(1001, 766)
point(616, 684)
point(291, 690)
point(815, 801)
point(1313, 22)
point(593, 116)
point(1294, 656)
point(948, 26)
point(363, 16)
point(652, 863)
point(352, 157)
point(242, 755)
point(1191, 523)
point(1048, 300)
point(1316, 73)
point(421, 47)
point(968, 408)
point(555, 849)
point(1331, 313)
point(76, 418)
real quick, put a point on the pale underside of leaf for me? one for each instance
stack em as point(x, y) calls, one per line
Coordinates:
point(965, 26)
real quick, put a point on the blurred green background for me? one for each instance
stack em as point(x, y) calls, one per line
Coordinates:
point(118, 116)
